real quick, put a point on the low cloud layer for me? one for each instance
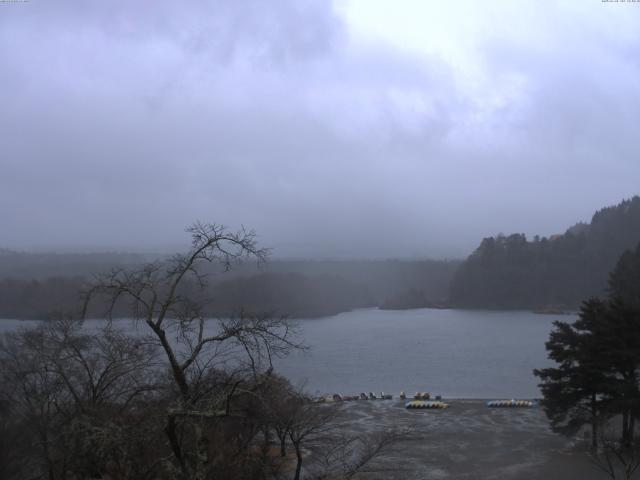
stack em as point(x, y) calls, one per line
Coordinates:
point(330, 132)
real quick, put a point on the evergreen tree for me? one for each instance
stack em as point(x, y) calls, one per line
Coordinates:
point(624, 280)
point(554, 273)
point(576, 392)
point(597, 376)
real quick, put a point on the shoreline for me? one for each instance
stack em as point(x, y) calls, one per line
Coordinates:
point(468, 441)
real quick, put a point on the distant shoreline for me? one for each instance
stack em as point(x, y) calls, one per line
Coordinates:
point(315, 315)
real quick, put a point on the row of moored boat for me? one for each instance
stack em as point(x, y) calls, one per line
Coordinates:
point(418, 404)
point(423, 400)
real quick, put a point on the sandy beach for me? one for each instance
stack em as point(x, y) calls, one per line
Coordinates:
point(469, 441)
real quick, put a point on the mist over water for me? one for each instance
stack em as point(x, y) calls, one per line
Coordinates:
point(406, 180)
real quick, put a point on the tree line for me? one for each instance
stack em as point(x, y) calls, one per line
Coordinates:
point(293, 294)
point(40, 286)
point(556, 272)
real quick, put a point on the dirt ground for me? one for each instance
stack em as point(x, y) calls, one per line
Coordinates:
point(469, 441)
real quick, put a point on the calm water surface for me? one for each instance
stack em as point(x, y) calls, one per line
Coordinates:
point(456, 353)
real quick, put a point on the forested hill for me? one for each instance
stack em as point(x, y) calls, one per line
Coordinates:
point(555, 272)
point(44, 285)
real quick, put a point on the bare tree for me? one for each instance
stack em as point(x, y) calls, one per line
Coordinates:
point(171, 299)
point(280, 401)
point(345, 456)
point(307, 421)
point(615, 457)
point(74, 395)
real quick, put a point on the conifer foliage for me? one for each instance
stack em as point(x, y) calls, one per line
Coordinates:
point(596, 377)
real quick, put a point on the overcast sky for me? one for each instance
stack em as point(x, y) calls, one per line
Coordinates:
point(358, 128)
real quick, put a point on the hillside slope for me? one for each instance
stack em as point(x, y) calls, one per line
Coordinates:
point(559, 271)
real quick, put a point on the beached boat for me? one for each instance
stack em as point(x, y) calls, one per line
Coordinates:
point(426, 404)
point(511, 404)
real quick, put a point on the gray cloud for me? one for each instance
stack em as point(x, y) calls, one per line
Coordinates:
point(124, 121)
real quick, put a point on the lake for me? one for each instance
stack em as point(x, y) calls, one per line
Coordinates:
point(455, 353)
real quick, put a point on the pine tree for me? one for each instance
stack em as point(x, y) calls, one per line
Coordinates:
point(576, 392)
point(597, 376)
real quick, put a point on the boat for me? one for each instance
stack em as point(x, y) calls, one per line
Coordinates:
point(511, 403)
point(349, 398)
point(415, 404)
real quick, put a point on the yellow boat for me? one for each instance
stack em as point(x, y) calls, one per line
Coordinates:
point(426, 404)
